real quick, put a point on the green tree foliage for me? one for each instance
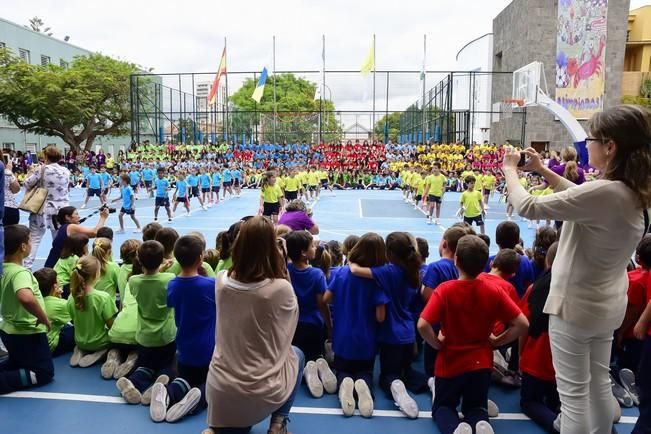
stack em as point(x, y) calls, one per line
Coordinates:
point(78, 104)
point(298, 118)
point(392, 121)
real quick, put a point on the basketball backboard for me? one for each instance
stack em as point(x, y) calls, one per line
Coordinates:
point(526, 81)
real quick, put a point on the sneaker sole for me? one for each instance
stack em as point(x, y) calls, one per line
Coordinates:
point(91, 359)
point(184, 406)
point(627, 378)
point(128, 391)
point(405, 403)
point(125, 368)
point(146, 395)
point(158, 407)
point(484, 427)
point(314, 385)
point(327, 377)
point(109, 367)
point(346, 398)
point(364, 399)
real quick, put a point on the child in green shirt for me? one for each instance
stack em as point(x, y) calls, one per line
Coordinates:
point(472, 204)
point(25, 323)
point(74, 247)
point(156, 329)
point(108, 276)
point(92, 313)
point(61, 336)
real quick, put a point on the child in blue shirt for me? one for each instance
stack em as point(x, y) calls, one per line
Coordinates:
point(148, 175)
point(192, 297)
point(204, 182)
point(359, 305)
point(134, 177)
point(216, 185)
point(95, 186)
point(181, 193)
point(128, 204)
point(314, 324)
point(162, 186)
point(400, 280)
point(106, 181)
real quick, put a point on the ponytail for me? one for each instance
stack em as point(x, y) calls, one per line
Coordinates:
point(83, 275)
point(402, 250)
point(102, 252)
point(323, 259)
point(571, 171)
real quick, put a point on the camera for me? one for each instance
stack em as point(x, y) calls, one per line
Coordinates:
point(105, 206)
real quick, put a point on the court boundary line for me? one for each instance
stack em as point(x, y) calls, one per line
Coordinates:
point(328, 411)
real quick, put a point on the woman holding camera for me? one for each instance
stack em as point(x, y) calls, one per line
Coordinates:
point(70, 223)
point(54, 178)
point(603, 222)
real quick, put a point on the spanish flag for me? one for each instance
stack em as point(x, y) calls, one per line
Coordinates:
point(212, 95)
point(259, 89)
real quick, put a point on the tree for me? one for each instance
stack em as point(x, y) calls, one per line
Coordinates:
point(36, 23)
point(78, 104)
point(295, 96)
point(392, 121)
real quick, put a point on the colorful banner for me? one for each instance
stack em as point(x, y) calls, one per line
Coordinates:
point(581, 56)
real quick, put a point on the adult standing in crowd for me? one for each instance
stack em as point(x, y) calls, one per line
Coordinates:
point(55, 179)
point(11, 214)
point(255, 371)
point(569, 168)
point(298, 217)
point(604, 221)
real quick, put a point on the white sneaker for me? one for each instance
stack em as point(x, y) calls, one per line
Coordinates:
point(77, 354)
point(204, 207)
point(128, 391)
point(137, 230)
point(112, 362)
point(184, 406)
point(364, 398)
point(187, 214)
point(484, 427)
point(436, 222)
point(158, 407)
point(493, 409)
point(463, 428)
point(125, 368)
point(328, 379)
point(146, 396)
point(312, 380)
point(403, 401)
point(346, 398)
point(429, 220)
point(430, 384)
point(91, 358)
point(119, 231)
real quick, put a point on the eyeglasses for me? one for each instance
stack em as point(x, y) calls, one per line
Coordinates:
point(592, 139)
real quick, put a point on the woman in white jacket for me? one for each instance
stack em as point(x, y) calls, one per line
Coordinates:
point(604, 221)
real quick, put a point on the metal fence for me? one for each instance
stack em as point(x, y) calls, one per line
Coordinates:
point(174, 108)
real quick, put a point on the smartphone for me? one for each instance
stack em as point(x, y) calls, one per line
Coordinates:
point(523, 159)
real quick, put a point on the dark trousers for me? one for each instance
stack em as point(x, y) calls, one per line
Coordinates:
point(152, 362)
point(395, 364)
point(471, 389)
point(429, 359)
point(66, 341)
point(643, 382)
point(539, 400)
point(27, 353)
point(355, 369)
point(11, 216)
point(310, 338)
point(189, 376)
point(630, 354)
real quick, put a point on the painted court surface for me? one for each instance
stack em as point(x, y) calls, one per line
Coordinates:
point(79, 401)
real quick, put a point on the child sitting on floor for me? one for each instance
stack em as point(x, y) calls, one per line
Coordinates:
point(61, 336)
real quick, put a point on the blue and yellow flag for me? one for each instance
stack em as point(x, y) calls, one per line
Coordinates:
point(259, 89)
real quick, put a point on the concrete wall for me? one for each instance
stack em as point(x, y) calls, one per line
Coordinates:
point(525, 31)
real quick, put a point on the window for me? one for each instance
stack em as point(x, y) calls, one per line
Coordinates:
point(45, 60)
point(63, 64)
point(24, 54)
point(9, 145)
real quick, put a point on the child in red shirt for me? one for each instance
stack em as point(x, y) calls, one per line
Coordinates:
point(538, 397)
point(642, 331)
point(465, 342)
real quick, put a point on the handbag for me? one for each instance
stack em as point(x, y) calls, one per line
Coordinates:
point(34, 199)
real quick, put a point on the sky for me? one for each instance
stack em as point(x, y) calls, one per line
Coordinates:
point(188, 36)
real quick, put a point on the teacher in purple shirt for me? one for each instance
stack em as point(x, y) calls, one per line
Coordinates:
point(569, 168)
point(298, 218)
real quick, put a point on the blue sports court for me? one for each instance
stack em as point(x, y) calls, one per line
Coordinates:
point(79, 401)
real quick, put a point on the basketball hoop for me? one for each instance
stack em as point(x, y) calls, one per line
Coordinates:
point(514, 102)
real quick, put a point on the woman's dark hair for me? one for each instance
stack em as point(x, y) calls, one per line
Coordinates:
point(74, 245)
point(66, 211)
point(336, 254)
point(545, 237)
point(629, 127)
point(402, 250)
point(369, 251)
point(255, 253)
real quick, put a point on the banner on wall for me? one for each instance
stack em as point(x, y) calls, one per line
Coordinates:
point(580, 56)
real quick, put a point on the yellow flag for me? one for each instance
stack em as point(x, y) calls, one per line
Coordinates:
point(369, 62)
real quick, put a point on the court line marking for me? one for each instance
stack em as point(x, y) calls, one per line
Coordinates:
point(359, 204)
point(296, 410)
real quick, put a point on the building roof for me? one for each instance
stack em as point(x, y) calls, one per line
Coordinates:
point(356, 128)
point(42, 35)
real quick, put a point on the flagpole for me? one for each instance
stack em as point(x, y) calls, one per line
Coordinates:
point(374, 68)
point(226, 97)
point(322, 89)
point(274, 74)
point(424, 122)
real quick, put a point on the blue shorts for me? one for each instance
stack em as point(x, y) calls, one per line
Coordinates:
point(130, 211)
point(162, 201)
point(215, 188)
point(94, 192)
point(478, 220)
point(205, 189)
